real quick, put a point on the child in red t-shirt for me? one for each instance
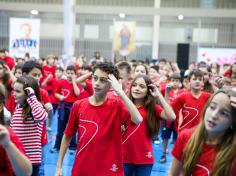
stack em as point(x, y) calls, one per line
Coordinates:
point(190, 103)
point(172, 90)
point(55, 82)
point(124, 70)
point(210, 148)
point(98, 120)
point(48, 73)
point(84, 79)
point(67, 92)
point(137, 140)
point(12, 154)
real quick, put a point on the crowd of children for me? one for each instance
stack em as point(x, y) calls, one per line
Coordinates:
point(114, 111)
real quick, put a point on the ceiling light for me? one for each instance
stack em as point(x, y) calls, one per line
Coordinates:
point(34, 12)
point(180, 17)
point(122, 15)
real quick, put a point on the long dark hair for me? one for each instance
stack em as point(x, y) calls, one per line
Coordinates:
point(149, 104)
point(5, 81)
point(28, 81)
point(2, 102)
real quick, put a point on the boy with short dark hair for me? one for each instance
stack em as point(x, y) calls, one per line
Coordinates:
point(124, 69)
point(98, 120)
point(172, 90)
point(191, 103)
point(67, 93)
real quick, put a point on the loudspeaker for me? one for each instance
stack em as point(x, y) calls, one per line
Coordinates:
point(183, 55)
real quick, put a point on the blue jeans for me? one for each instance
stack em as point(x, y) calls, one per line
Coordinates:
point(137, 169)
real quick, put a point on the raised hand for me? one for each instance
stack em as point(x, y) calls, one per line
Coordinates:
point(29, 90)
point(117, 87)
point(73, 78)
point(154, 90)
point(219, 82)
point(169, 87)
point(7, 68)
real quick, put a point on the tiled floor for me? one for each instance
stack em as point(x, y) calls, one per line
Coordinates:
point(51, 159)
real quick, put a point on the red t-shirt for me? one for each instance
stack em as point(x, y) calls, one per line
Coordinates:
point(55, 83)
point(137, 144)
point(99, 150)
point(227, 73)
point(206, 160)
point(65, 88)
point(163, 85)
point(89, 86)
point(45, 99)
point(47, 70)
point(9, 61)
point(191, 109)
point(83, 94)
point(5, 165)
point(172, 96)
point(10, 103)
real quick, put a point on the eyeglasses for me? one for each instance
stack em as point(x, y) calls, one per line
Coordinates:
point(103, 80)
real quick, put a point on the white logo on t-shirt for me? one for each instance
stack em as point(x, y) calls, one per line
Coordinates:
point(149, 154)
point(65, 92)
point(114, 168)
point(187, 110)
point(205, 169)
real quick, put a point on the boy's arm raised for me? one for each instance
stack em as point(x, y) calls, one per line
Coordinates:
point(135, 115)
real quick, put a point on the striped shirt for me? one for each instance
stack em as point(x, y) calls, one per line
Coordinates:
point(30, 131)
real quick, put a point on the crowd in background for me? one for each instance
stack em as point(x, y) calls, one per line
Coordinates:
point(117, 107)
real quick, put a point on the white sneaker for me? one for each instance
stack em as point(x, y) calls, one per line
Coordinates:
point(49, 129)
point(157, 142)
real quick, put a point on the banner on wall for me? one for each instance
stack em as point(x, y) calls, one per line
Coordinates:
point(24, 37)
point(124, 37)
point(219, 55)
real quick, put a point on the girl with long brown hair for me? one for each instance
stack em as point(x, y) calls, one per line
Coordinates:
point(13, 160)
point(137, 148)
point(28, 118)
point(210, 148)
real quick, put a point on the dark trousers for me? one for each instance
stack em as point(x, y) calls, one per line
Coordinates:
point(55, 106)
point(63, 117)
point(138, 169)
point(35, 169)
point(166, 131)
